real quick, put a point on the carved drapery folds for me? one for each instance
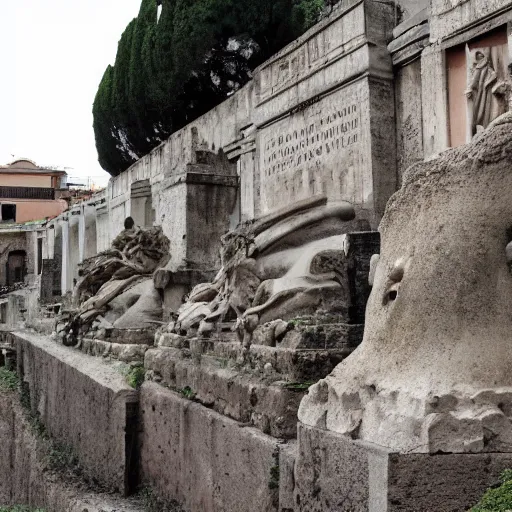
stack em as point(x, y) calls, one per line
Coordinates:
point(489, 86)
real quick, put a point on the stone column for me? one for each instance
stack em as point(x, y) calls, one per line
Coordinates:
point(65, 256)
point(247, 165)
point(81, 234)
point(435, 104)
point(49, 245)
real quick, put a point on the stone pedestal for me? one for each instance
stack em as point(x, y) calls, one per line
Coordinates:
point(199, 206)
point(333, 472)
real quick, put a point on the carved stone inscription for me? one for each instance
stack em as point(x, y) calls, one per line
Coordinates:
point(333, 132)
point(311, 152)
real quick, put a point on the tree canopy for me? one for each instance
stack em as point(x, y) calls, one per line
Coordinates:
point(180, 58)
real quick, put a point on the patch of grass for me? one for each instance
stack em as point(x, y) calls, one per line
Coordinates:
point(223, 362)
point(187, 392)
point(298, 386)
point(152, 503)
point(133, 375)
point(61, 458)
point(499, 498)
point(8, 382)
point(296, 322)
point(136, 376)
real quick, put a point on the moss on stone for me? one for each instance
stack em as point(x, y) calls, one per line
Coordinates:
point(136, 377)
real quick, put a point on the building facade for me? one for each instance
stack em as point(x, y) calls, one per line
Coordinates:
point(29, 196)
point(29, 192)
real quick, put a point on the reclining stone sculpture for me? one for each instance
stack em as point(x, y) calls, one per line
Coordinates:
point(286, 265)
point(116, 287)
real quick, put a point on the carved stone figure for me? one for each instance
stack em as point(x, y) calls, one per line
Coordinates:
point(116, 288)
point(486, 88)
point(287, 265)
point(433, 371)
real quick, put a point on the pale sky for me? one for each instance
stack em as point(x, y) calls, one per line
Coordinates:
point(52, 56)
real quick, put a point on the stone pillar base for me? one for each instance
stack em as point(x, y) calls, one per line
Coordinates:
point(333, 472)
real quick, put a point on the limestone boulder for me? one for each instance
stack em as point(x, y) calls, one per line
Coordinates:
point(433, 371)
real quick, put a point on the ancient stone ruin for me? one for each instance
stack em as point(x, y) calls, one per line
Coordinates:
point(438, 382)
point(298, 302)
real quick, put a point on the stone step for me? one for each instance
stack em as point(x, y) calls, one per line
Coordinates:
point(260, 399)
point(127, 353)
point(293, 364)
point(299, 333)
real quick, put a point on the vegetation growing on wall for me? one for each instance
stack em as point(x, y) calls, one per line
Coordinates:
point(180, 58)
point(8, 381)
point(499, 498)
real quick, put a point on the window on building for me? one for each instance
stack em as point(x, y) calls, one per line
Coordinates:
point(8, 213)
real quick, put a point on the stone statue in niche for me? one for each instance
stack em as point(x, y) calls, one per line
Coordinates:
point(488, 86)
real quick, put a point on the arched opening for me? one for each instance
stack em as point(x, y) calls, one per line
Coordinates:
point(16, 267)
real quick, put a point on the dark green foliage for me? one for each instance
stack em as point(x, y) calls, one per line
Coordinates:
point(136, 376)
point(172, 69)
point(273, 483)
point(8, 380)
point(498, 499)
point(299, 386)
point(187, 392)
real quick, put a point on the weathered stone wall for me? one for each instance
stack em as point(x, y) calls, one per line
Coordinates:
point(333, 472)
point(81, 404)
point(26, 478)
point(450, 17)
point(319, 130)
point(409, 116)
point(211, 462)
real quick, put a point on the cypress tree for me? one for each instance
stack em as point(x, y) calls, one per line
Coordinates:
point(169, 71)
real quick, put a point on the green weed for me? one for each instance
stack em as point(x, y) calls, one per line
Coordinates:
point(497, 499)
point(8, 382)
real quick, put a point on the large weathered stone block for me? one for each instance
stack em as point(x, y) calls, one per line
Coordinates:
point(250, 398)
point(324, 108)
point(449, 17)
point(83, 404)
point(26, 477)
point(204, 460)
point(333, 472)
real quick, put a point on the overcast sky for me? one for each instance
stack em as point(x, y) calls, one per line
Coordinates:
point(52, 56)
